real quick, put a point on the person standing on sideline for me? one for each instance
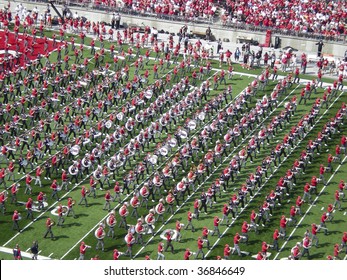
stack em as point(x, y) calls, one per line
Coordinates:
point(17, 253)
point(34, 249)
point(208, 34)
point(320, 45)
point(219, 45)
point(117, 19)
point(113, 20)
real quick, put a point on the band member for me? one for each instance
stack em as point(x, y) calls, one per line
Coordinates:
point(28, 188)
point(216, 222)
point(200, 246)
point(187, 254)
point(169, 242)
point(130, 240)
point(54, 187)
point(111, 222)
point(49, 224)
point(64, 180)
point(322, 225)
point(283, 225)
point(61, 214)
point(29, 208)
point(100, 234)
point(178, 230)
point(117, 192)
point(83, 249)
point(160, 251)
point(70, 204)
point(108, 198)
point(116, 254)
point(344, 241)
point(139, 229)
point(123, 212)
point(236, 248)
point(275, 237)
point(15, 219)
point(83, 196)
point(135, 202)
point(306, 244)
point(226, 251)
point(92, 184)
point(2, 203)
point(190, 224)
point(205, 233)
point(39, 172)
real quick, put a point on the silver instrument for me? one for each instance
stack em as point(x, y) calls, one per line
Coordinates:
point(75, 150)
point(172, 142)
point(108, 124)
point(192, 124)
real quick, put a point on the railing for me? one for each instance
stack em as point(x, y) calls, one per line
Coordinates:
point(201, 20)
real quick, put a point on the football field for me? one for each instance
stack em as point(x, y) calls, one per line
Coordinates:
point(196, 107)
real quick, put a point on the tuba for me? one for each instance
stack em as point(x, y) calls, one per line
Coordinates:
point(109, 223)
point(75, 150)
point(129, 239)
point(102, 236)
point(73, 170)
point(159, 210)
point(86, 163)
point(148, 94)
point(172, 142)
point(191, 125)
point(134, 203)
point(164, 151)
point(108, 124)
point(183, 134)
point(150, 219)
point(121, 212)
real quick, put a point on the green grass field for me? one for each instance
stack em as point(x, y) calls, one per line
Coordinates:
point(68, 237)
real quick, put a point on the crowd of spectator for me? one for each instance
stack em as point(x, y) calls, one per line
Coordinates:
point(297, 17)
point(327, 18)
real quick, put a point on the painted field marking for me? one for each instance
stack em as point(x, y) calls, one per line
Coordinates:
point(24, 254)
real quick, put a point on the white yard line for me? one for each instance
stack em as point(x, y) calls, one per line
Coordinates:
point(309, 208)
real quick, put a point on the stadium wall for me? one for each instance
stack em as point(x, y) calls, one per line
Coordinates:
point(303, 44)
